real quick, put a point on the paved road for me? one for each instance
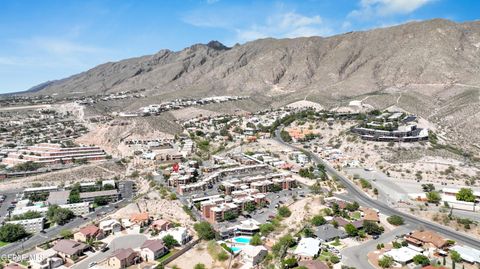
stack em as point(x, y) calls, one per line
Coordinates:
point(4, 206)
point(51, 233)
point(360, 196)
point(356, 256)
point(123, 241)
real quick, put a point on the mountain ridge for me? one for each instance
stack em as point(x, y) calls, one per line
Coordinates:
point(431, 68)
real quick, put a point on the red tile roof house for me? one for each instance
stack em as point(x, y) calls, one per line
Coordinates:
point(89, 232)
point(161, 225)
point(123, 258)
point(70, 250)
point(153, 249)
point(142, 219)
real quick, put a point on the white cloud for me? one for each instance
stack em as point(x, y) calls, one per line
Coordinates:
point(59, 46)
point(284, 25)
point(52, 52)
point(382, 8)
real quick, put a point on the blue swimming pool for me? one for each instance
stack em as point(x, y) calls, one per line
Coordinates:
point(242, 240)
point(235, 249)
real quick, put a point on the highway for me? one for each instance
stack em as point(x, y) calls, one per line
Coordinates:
point(357, 194)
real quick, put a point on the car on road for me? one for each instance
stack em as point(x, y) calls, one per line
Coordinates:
point(92, 264)
point(104, 249)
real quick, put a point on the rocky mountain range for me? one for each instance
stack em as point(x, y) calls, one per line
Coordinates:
point(431, 68)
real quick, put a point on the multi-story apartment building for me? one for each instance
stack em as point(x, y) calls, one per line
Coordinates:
point(48, 154)
point(31, 226)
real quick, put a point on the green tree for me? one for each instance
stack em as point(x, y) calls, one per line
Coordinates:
point(465, 194)
point(229, 216)
point(433, 197)
point(256, 240)
point(280, 248)
point(290, 262)
point(204, 230)
point(421, 260)
point(284, 212)
point(334, 259)
point(318, 220)
point(100, 201)
point(456, 258)
point(169, 241)
point(428, 187)
point(266, 228)
point(250, 207)
point(395, 220)
point(351, 230)
point(27, 215)
point(385, 261)
point(12, 232)
point(58, 215)
point(285, 136)
point(352, 206)
point(199, 266)
point(372, 228)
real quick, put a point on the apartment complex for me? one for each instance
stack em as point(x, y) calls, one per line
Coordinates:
point(49, 154)
point(31, 226)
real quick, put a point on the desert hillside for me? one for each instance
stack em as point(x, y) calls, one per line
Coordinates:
point(431, 68)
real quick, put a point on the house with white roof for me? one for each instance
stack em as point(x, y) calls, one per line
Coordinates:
point(178, 233)
point(402, 255)
point(307, 248)
point(110, 226)
point(468, 254)
point(253, 255)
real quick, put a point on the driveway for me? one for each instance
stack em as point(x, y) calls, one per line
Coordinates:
point(122, 241)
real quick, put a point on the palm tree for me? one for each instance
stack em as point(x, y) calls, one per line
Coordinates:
point(92, 242)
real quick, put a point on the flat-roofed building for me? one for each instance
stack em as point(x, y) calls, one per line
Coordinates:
point(79, 209)
point(31, 226)
point(58, 197)
point(48, 154)
point(110, 195)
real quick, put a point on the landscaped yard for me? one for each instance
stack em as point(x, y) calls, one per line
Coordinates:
point(164, 257)
point(325, 255)
point(356, 215)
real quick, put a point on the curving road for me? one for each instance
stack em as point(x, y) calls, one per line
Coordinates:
point(357, 194)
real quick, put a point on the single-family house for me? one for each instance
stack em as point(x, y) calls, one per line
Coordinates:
point(47, 259)
point(418, 238)
point(178, 233)
point(69, 250)
point(142, 219)
point(468, 254)
point(110, 226)
point(370, 215)
point(161, 225)
point(402, 255)
point(328, 233)
point(253, 255)
point(123, 258)
point(153, 249)
point(307, 248)
point(88, 233)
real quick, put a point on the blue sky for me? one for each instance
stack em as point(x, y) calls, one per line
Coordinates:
point(51, 39)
